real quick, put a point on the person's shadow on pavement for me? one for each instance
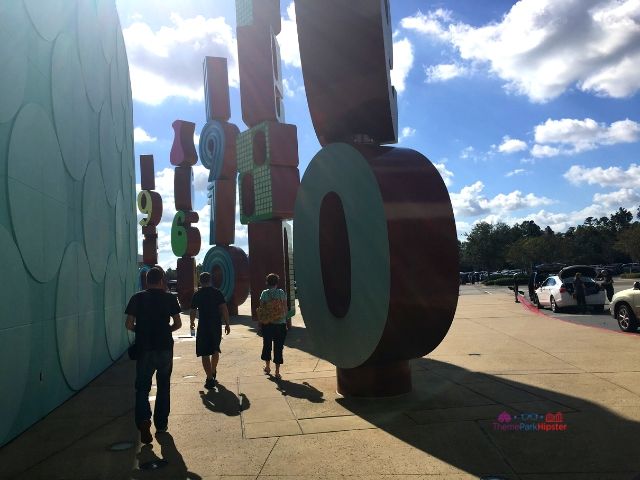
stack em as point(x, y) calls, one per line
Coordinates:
point(221, 400)
point(299, 390)
point(169, 465)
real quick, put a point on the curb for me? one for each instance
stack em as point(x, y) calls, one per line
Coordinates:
point(526, 304)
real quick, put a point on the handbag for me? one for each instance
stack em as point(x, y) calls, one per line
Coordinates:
point(270, 312)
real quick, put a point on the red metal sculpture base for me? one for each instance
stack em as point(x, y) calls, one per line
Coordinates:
point(375, 381)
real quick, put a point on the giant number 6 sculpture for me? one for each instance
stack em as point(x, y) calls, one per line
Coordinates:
point(375, 236)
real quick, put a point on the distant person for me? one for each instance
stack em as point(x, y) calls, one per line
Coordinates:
point(579, 292)
point(274, 333)
point(607, 283)
point(210, 305)
point(149, 315)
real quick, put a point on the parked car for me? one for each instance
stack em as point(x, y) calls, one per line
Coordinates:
point(625, 308)
point(614, 268)
point(631, 268)
point(557, 291)
point(539, 274)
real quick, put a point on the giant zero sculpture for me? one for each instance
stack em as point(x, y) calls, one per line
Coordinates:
point(375, 236)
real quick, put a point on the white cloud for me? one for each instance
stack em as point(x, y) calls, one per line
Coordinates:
point(512, 145)
point(292, 87)
point(541, 151)
point(467, 152)
point(288, 38)
point(444, 72)
point(571, 136)
point(431, 23)
point(517, 171)
point(605, 177)
point(406, 132)
point(402, 63)
point(541, 48)
point(141, 136)
point(561, 221)
point(288, 91)
point(168, 62)
point(445, 173)
point(625, 197)
point(200, 178)
point(470, 202)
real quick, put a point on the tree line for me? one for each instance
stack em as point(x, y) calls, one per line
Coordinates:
point(598, 241)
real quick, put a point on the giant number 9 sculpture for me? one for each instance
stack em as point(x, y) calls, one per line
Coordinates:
point(375, 236)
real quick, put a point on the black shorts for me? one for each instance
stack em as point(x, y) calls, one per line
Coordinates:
point(208, 341)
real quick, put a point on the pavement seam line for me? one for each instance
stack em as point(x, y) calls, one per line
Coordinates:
point(497, 448)
point(242, 426)
point(268, 456)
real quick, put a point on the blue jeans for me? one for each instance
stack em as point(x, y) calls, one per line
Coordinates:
point(149, 362)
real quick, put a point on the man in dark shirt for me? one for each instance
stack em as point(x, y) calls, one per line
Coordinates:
point(149, 315)
point(209, 302)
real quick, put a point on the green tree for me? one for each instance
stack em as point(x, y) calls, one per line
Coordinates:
point(486, 244)
point(621, 219)
point(629, 241)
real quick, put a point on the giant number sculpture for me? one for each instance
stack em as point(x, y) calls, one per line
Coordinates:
point(376, 249)
point(229, 265)
point(185, 239)
point(150, 204)
point(268, 151)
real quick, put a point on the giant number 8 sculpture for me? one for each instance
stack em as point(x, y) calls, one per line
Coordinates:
point(375, 236)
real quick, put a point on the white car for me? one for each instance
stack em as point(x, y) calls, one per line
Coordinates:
point(557, 291)
point(625, 308)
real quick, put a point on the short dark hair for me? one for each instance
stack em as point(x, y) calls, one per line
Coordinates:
point(272, 280)
point(155, 275)
point(205, 278)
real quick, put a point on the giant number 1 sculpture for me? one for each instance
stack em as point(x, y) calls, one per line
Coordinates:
point(375, 236)
point(267, 152)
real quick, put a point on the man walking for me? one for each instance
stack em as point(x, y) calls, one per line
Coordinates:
point(209, 302)
point(149, 315)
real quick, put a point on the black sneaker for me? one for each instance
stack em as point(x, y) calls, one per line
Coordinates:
point(210, 383)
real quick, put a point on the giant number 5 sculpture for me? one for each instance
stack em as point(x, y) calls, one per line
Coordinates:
point(185, 239)
point(375, 236)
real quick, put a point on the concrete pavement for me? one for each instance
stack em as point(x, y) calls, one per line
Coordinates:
point(478, 408)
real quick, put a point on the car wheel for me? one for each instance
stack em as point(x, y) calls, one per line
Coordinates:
point(598, 308)
point(554, 306)
point(626, 319)
point(536, 301)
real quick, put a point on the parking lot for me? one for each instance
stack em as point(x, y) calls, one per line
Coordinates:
point(592, 319)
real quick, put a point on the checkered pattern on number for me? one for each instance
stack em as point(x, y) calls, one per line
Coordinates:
point(244, 12)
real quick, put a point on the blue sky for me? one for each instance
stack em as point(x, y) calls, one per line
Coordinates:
point(529, 109)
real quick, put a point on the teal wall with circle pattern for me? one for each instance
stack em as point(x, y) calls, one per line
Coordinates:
point(68, 247)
